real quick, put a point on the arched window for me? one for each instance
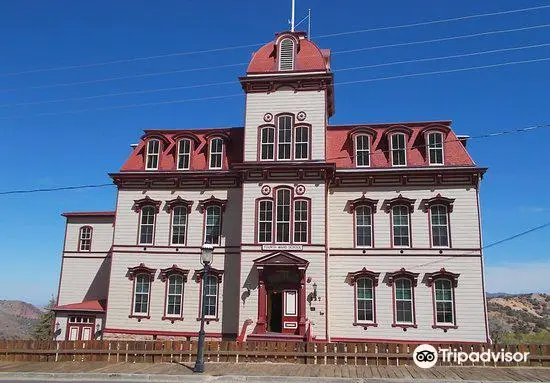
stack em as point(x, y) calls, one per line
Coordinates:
point(398, 149)
point(179, 225)
point(267, 143)
point(301, 221)
point(301, 143)
point(435, 148)
point(283, 215)
point(400, 226)
point(142, 288)
point(85, 238)
point(364, 293)
point(212, 224)
point(147, 225)
point(439, 226)
point(363, 226)
point(210, 296)
point(404, 306)
point(153, 152)
point(362, 150)
point(444, 305)
point(265, 221)
point(286, 54)
point(184, 154)
point(174, 295)
point(284, 129)
point(216, 153)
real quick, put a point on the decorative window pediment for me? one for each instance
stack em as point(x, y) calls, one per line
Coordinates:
point(178, 201)
point(187, 136)
point(435, 128)
point(438, 200)
point(281, 258)
point(140, 269)
point(147, 201)
point(372, 203)
point(363, 273)
point(211, 271)
point(442, 274)
point(203, 204)
point(398, 129)
point(174, 269)
point(399, 200)
point(402, 273)
point(362, 130)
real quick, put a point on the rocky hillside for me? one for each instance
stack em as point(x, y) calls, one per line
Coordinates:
point(17, 319)
point(519, 318)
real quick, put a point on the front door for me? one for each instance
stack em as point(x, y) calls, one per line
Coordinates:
point(274, 311)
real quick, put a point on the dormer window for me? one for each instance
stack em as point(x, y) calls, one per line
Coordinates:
point(184, 154)
point(398, 149)
point(153, 151)
point(286, 55)
point(216, 153)
point(362, 150)
point(435, 148)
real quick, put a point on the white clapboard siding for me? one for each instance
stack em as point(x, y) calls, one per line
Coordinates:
point(314, 191)
point(121, 290)
point(463, 220)
point(285, 101)
point(469, 299)
point(83, 279)
point(102, 234)
point(126, 230)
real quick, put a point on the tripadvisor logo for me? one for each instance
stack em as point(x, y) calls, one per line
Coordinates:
point(426, 356)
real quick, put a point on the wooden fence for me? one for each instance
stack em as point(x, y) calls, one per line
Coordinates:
point(248, 352)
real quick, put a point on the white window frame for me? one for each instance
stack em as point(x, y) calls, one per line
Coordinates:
point(303, 141)
point(85, 237)
point(179, 224)
point(147, 224)
point(435, 147)
point(285, 144)
point(357, 298)
point(451, 301)
point(205, 293)
point(147, 294)
point(300, 220)
point(216, 153)
point(283, 61)
point(357, 226)
point(174, 294)
point(394, 149)
point(446, 225)
point(393, 215)
point(267, 144)
point(207, 225)
point(184, 154)
point(153, 154)
point(362, 150)
point(410, 300)
point(267, 222)
point(283, 222)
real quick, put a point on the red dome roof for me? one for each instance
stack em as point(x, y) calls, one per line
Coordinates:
point(309, 58)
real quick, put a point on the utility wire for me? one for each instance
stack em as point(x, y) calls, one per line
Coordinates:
point(156, 90)
point(228, 48)
point(28, 191)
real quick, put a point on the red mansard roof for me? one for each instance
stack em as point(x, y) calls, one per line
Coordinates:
point(88, 306)
point(89, 214)
point(340, 145)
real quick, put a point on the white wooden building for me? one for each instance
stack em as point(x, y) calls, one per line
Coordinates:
point(322, 232)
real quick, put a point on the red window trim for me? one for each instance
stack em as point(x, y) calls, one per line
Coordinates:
point(133, 272)
point(413, 277)
point(80, 238)
point(203, 206)
point(293, 207)
point(352, 278)
point(138, 239)
point(292, 124)
point(392, 241)
point(199, 278)
point(309, 135)
point(165, 275)
point(430, 231)
point(80, 326)
point(259, 142)
point(353, 205)
point(431, 279)
point(257, 217)
point(170, 206)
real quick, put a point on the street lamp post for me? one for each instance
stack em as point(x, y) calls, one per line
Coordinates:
point(206, 260)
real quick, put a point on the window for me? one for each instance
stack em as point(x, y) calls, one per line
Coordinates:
point(184, 154)
point(301, 145)
point(265, 221)
point(141, 296)
point(365, 300)
point(284, 138)
point(210, 296)
point(400, 218)
point(179, 225)
point(435, 148)
point(283, 215)
point(403, 301)
point(85, 239)
point(286, 54)
point(212, 225)
point(363, 226)
point(362, 150)
point(398, 150)
point(147, 225)
point(444, 312)
point(439, 225)
point(216, 151)
point(300, 221)
point(153, 151)
point(267, 144)
point(174, 295)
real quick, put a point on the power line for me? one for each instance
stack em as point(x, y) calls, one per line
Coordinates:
point(156, 90)
point(28, 191)
point(227, 48)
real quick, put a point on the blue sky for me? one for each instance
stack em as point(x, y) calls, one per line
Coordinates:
point(49, 145)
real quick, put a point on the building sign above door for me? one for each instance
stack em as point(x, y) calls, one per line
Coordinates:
point(282, 247)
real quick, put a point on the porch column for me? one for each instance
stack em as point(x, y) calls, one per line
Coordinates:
point(262, 305)
point(302, 303)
